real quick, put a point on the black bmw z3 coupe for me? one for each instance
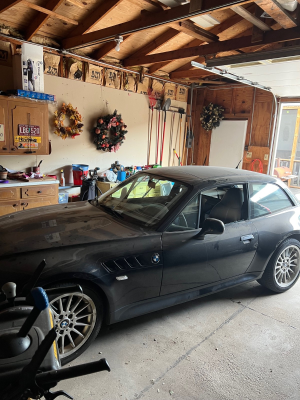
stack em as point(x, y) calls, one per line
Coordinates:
point(162, 237)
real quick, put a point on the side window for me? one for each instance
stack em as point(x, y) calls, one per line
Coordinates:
point(226, 203)
point(188, 218)
point(266, 198)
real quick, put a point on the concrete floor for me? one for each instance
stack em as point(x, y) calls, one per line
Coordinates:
point(241, 343)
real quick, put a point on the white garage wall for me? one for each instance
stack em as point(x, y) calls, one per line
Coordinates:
point(93, 101)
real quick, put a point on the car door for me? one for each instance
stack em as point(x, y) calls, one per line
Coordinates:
point(185, 256)
point(231, 253)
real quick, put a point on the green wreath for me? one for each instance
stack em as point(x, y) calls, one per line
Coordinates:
point(109, 134)
point(211, 116)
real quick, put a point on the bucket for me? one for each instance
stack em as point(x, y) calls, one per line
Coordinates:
point(77, 173)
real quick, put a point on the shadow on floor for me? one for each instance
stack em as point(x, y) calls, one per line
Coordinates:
point(239, 293)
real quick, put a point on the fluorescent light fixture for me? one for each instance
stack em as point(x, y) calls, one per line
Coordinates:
point(285, 52)
point(225, 74)
point(205, 21)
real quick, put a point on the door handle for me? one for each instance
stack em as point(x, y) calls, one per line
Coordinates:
point(247, 238)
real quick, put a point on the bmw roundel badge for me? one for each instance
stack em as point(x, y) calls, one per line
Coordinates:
point(155, 258)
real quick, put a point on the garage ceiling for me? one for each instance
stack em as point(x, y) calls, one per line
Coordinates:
point(164, 36)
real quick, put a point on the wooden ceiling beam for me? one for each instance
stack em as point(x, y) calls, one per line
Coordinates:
point(95, 16)
point(191, 29)
point(278, 13)
point(193, 73)
point(76, 3)
point(218, 47)
point(41, 18)
point(156, 43)
point(159, 18)
point(51, 13)
point(251, 18)
point(219, 29)
point(6, 4)
point(106, 48)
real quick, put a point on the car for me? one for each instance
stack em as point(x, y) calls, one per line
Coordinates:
point(162, 237)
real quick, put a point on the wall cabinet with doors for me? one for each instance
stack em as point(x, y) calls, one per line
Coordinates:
point(23, 127)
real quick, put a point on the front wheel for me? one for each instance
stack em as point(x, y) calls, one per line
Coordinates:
point(78, 317)
point(283, 269)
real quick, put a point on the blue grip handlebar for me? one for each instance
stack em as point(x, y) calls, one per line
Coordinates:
point(40, 298)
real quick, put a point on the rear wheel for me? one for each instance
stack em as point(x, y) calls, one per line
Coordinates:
point(283, 269)
point(78, 317)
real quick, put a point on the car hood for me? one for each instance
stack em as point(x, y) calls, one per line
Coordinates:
point(60, 225)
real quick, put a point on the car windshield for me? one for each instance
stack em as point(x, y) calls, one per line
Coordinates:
point(143, 199)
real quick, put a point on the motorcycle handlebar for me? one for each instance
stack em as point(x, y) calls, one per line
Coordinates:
point(46, 378)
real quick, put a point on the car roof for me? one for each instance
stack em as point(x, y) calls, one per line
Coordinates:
point(197, 174)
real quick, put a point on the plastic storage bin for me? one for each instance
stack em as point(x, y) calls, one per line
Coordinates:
point(63, 198)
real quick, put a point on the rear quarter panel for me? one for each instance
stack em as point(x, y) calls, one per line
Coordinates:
point(272, 231)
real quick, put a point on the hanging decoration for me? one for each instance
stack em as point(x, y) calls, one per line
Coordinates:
point(75, 127)
point(109, 134)
point(211, 116)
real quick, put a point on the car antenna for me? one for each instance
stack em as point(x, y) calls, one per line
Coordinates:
point(239, 163)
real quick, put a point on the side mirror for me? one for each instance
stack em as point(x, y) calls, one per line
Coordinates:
point(211, 226)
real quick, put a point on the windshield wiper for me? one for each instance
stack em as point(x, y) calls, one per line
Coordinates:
point(111, 211)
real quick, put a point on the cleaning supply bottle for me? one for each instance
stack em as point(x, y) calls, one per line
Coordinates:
point(62, 178)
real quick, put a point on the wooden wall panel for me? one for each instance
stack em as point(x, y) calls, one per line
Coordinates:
point(261, 124)
point(223, 97)
point(249, 103)
point(243, 100)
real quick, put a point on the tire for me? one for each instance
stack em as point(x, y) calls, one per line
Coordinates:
point(74, 336)
point(282, 271)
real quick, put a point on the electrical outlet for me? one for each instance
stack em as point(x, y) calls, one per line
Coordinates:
point(266, 157)
point(249, 154)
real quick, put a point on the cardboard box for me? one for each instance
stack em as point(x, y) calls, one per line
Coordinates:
point(170, 91)
point(94, 74)
point(74, 69)
point(28, 68)
point(182, 93)
point(51, 63)
point(157, 89)
point(5, 54)
point(143, 86)
point(129, 82)
point(113, 78)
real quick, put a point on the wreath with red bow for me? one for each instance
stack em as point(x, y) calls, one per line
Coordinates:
point(109, 134)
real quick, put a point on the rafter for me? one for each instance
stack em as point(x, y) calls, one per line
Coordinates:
point(160, 18)
point(156, 43)
point(95, 16)
point(251, 18)
point(51, 13)
point(41, 18)
point(217, 30)
point(76, 3)
point(219, 47)
point(191, 29)
point(6, 4)
point(278, 13)
point(106, 48)
point(193, 73)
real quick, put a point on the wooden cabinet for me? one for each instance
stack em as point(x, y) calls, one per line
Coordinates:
point(8, 207)
point(21, 198)
point(19, 111)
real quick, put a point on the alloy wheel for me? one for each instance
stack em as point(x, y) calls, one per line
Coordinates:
point(75, 317)
point(287, 266)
